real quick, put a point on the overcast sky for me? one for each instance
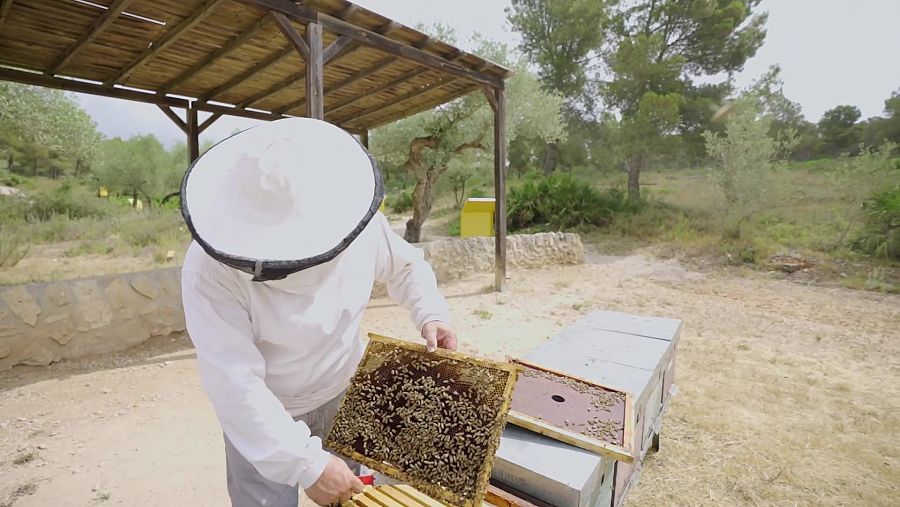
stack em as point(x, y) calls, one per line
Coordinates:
point(831, 52)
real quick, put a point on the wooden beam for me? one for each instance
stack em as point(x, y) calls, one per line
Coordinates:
point(250, 73)
point(95, 30)
point(500, 191)
point(402, 78)
point(491, 98)
point(5, 6)
point(174, 117)
point(208, 122)
point(233, 44)
point(299, 12)
point(389, 28)
point(284, 24)
point(85, 87)
point(193, 134)
point(390, 117)
point(364, 138)
point(377, 66)
point(338, 47)
point(167, 40)
point(315, 69)
point(407, 96)
point(275, 88)
point(422, 44)
point(349, 11)
point(376, 40)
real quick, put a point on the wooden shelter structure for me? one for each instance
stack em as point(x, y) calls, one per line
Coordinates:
point(262, 59)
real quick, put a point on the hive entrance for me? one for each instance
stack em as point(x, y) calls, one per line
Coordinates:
point(432, 420)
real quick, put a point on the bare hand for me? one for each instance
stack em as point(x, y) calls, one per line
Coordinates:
point(336, 484)
point(439, 334)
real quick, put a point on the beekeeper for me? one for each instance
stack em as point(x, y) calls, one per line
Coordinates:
point(288, 241)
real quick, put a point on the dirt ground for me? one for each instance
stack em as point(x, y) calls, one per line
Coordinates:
point(788, 394)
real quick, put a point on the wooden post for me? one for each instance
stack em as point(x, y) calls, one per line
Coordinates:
point(193, 134)
point(500, 189)
point(364, 138)
point(315, 88)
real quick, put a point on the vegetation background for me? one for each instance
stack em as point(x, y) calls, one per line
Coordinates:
point(625, 125)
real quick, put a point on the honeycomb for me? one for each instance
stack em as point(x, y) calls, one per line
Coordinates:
point(432, 420)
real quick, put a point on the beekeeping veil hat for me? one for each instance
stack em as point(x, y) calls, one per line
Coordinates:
point(281, 197)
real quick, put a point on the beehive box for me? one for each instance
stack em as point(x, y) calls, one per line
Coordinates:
point(627, 353)
point(430, 419)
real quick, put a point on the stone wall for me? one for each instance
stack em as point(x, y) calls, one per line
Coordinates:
point(43, 323)
point(456, 258)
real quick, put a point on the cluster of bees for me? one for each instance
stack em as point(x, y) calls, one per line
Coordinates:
point(435, 419)
point(603, 429)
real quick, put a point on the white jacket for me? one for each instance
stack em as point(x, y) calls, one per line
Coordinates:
point(268, 351)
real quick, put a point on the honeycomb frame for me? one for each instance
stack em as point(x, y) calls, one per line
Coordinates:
point(356, 418)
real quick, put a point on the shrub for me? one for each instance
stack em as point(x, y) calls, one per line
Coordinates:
point(401, 202)
point(560, 201)
point(881, 235)
point(13, 246)
point(66, 201)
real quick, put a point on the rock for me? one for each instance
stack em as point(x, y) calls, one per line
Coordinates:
point(58, 294)
point(5, 350)
point(145, 287)
point(106, 390)
point(95, 311)
point(20, 301)
point(36, 355)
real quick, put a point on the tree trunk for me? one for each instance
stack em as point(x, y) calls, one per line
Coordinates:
point(34, 167)
point(422, 201)
point(134, 199)
point(634, 178)
point(77, 166)
point(551, 157)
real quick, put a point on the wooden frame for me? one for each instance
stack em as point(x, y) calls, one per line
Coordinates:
point(623, 453)
point(482, 481)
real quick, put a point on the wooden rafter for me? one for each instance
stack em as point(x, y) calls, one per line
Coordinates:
point(235, 43)
point(337, 48)
point(409, 76)
point(174, 117)
point(284, 83)
point(376, 40)
point(402, 78)
point(168, 39)
point(209, 121)
point(374, 121)
point(273, 59)
point(399, 100)
point(377, 66)
point(95, 30)
point(294, 37)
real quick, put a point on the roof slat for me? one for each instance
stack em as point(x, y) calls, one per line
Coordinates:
point(235, 43)
point(170, 37)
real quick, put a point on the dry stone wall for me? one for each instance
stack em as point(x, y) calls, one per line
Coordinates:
point(43, 323)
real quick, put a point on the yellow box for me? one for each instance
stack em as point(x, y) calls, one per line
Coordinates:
point(103, 192)
point(477, 217)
